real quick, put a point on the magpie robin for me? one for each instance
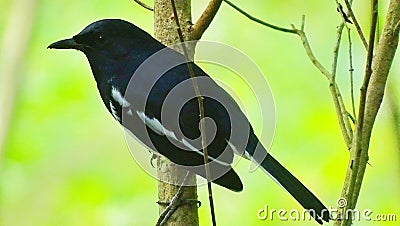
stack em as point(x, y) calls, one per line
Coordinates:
point(136, 95)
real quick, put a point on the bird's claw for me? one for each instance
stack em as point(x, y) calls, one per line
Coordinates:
point(181, 202)
point(176, 201)
point(153, 157)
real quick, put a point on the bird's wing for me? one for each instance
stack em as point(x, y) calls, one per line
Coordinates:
point(172, 103)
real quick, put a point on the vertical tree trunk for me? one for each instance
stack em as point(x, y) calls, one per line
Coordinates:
point(165, 30)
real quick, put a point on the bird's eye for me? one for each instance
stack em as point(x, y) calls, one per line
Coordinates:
point(99, 38)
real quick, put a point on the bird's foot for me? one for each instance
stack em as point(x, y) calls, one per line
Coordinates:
point(180, 202)
point(172, 206)
point(153, 157)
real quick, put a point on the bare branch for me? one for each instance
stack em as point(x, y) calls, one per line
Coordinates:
point(144, 5)
point(336, 49)
point(368, 67)
point(351, 70)
point(345, 114)
point(371, 98)
point(357, 144)
point(309, 52)
point(356, 24)
point(337, 97)
point(205, 19)
point(342, 114)
point(381, 65)
point(258, 20)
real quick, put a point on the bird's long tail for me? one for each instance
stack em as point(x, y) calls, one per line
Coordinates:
point(304, 196)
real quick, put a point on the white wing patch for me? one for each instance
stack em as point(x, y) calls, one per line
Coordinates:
point(158, 128)
point(114, 112)
point(117, 96)
point(153, 124)
point(245, 155)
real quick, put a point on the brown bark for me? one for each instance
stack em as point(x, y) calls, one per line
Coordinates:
point(169, 175)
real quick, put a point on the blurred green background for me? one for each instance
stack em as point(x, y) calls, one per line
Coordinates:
point(64, 160)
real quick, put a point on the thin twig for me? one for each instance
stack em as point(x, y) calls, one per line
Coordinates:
point(351, 70)
point(201, 114)
point(339, 33)
point(144, 5)
point(335, 62)
point(205, 19)
point(368, 67)
point(341, 111)
point(342, 13)
point(307, 47)
point(258, 20)
point(336, 49)
point(345, 119)
point(356, 24)
point(337, 98)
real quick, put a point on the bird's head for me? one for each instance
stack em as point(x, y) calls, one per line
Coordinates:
point(113, 37)
point(110, 44)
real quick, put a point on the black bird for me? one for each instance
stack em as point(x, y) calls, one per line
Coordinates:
point(135, 93)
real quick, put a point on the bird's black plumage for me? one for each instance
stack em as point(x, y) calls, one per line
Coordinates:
point(135, 96)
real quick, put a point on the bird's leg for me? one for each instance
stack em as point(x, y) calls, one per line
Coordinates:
point(153, 157)
point(175, 202)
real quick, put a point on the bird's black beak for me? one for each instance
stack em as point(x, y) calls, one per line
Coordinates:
point(65, 44)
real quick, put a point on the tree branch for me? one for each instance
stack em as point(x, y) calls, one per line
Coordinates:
point(205, 19)
point(335, 62)
point(334, 89)
point(356, 24)
point(252, 18)
point(374, 91)
point(349, 189)
point(337, 97)
point(144, 5)
point(381, 64)
point(358, 150)
point(336, 48)
point(351, 70)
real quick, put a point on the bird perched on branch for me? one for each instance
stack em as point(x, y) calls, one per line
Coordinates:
point(144, 85)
